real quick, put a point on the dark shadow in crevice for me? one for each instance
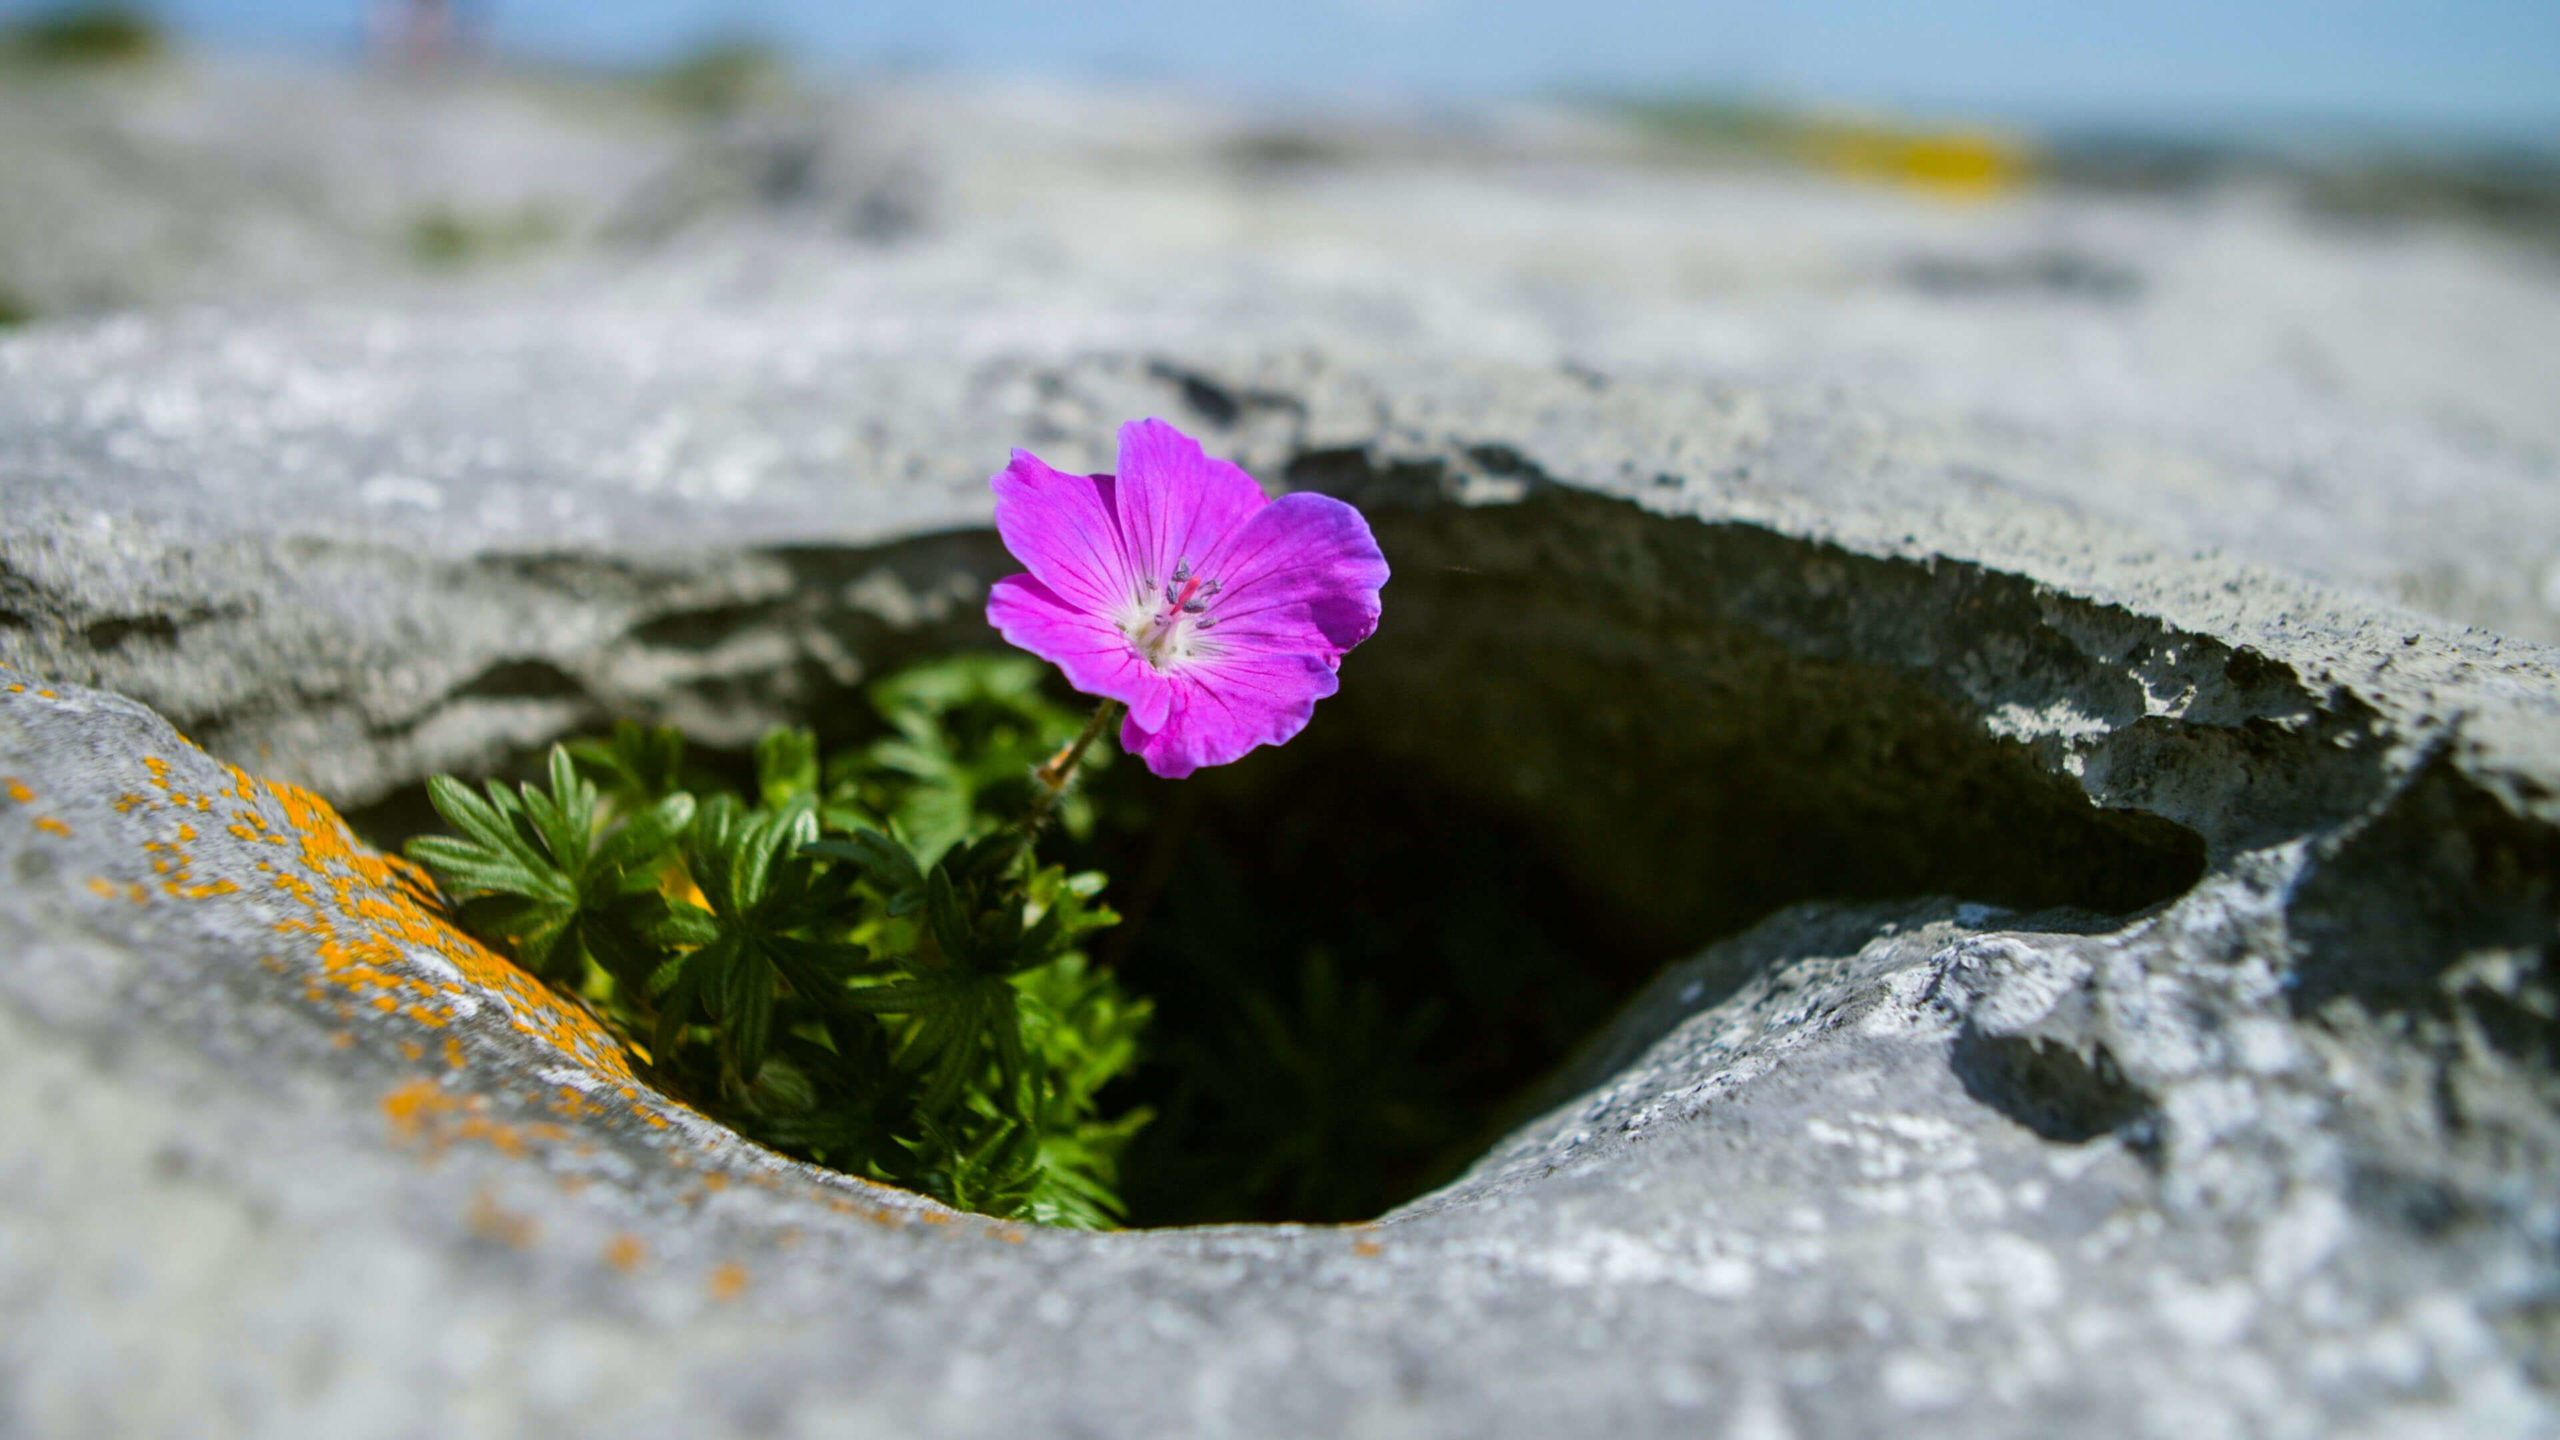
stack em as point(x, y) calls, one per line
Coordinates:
point(1587, 741)
point(2444, 900)
point(2067, 1093)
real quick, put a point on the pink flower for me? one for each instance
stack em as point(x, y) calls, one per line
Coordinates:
point(1218, 615)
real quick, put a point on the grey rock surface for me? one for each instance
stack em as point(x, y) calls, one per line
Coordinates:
point(2130, 1008)
point(715, 326)
point(2270, 1156)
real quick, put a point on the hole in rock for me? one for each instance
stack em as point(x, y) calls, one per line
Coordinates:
point(1557, 767)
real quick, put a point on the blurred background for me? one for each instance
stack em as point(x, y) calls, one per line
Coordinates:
point(2274, 277)
point(2310, 247)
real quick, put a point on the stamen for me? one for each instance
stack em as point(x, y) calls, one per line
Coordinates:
point(1181, 571)
point(1194, 607)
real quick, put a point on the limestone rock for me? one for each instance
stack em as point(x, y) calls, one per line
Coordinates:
point(2213, 1096)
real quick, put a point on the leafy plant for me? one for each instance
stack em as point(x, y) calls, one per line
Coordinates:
point(862, 962)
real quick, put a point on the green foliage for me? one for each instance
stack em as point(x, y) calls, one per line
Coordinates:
point(440, 237)
point(722, 77)
point(966, 733)
point(862, 962)
point(84, 35)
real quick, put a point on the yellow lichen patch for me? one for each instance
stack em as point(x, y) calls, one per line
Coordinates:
point(364, 942)
point(409, 1107)
point(626, 1252)
point(51, 826)
point(572, 1104)
point(425, 1114)
point(728, 1281)
point(18, 790)
point(493, 1222)
point(372, 924)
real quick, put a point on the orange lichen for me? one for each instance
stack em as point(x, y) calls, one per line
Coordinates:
point(626, 1252)
point(18, 791)
point(363, 940)
point(51, 826)
point(372, 926)
point(424, 1113)
point(407, 1107)
point(728, 1281)
point(491, 1221)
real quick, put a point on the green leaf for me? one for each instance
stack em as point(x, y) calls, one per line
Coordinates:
point(644, 840)
point(638, 766)
point(747, 1007)
point(947, 922)
point(888, 865)
point(885, 975)
point(787, 769)
point(677, 1006)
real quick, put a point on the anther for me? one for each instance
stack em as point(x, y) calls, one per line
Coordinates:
point(1181, 571)
point(1194, 607)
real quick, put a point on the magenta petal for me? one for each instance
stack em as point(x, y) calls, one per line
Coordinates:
point(1232, 655)
point(1303, 571)
point(1175, 501)
point(1065, 529)
point(1094, 654)
point(1227, 707)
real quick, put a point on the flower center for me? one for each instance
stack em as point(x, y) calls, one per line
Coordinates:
point(1164, 623)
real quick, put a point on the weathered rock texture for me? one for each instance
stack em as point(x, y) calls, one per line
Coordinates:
point(2122, 997)
point(729, 314)
point(2216, 1097)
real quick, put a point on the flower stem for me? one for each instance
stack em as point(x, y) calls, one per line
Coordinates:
point(1061, 767)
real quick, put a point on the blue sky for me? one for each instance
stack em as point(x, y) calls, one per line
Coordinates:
point(2453, 64)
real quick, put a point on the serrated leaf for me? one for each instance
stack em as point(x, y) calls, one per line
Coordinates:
point(787, 769)
point(676, 1007)
point(748, 1010)
point(646, 836)
point(943, 915)
point(900, 997)
point(687, 925)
